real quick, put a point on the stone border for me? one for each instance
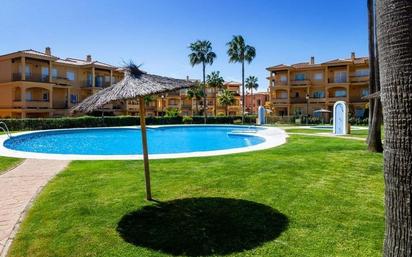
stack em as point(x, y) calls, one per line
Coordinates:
point(273, 137)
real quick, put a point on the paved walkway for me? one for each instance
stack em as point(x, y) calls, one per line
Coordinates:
point(18, 188)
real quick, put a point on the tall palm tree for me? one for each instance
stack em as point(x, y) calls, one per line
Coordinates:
point(375, 107)
point(394, 34)
point(251, 83)
point(196, 93)
point(226, 98)
point(215, 81)
point(239, 52)
point(202, 54)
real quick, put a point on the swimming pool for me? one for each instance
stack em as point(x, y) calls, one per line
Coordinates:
point(125, 142)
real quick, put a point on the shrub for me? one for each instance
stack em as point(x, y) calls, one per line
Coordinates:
point(187, 120)
point(113, 121)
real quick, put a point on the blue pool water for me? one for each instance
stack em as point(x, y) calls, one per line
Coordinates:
point(127, 141)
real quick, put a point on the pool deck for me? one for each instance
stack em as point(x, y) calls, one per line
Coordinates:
point(18, 188)
point(273, 137)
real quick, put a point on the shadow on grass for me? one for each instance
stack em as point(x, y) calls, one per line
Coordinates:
point(202, 226)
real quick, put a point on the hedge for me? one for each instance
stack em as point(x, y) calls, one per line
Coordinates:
point(113, 121)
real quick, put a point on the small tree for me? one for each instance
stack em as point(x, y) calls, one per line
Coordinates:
point(226, 98)
point(196, 93)
point(215, 81)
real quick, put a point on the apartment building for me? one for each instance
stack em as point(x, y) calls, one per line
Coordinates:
point(37, 84)
point(180, 100)
point(302, 88)
point(252, 102)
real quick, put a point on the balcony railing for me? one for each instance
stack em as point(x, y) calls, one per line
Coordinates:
point(32, 104)
point(359, 78)
point(337, 81)
point(335, 99)
point(357, 99)
point(305, 82)
point(32, 77)
point(298, 100)
point(281, 100)
point(317, 99)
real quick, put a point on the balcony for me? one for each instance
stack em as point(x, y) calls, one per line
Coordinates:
point(173, 94)
point(337, 81)
point(298, 100)
point(31, 104)
point(357, 99)
point(31, 77)
point(305, 82)
point(317, 100)
point(359, 79)
point(281, 100)
point(186, 106)
point(335, 99)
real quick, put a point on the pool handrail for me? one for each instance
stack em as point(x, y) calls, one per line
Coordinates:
point(5, 128)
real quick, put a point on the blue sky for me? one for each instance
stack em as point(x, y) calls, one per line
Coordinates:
point(156, 33)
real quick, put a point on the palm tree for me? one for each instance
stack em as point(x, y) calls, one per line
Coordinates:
point(226, 98)
point(239, 52)
point(251, 83)
point(202, 54)
point(394, 30)
point(196, 93)
point(215, 81)
point(375, 106)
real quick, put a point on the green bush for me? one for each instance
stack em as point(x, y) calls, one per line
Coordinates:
point(113, 121)
point(187, 119)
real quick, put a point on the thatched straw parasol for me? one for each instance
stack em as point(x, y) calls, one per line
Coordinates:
point(135, 85)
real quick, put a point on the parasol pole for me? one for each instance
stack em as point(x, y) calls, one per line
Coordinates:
point(144, 144)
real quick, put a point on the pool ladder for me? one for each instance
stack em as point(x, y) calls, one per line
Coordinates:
point(3, 126)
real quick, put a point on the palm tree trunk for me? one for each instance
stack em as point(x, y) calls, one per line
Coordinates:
point(253, 100)
point(205, 95)
point(215, 103)
point(394, 33)
point(226, 107)
point(371, 40)
point(375, 113)
point(197, 107)
point(243, 92)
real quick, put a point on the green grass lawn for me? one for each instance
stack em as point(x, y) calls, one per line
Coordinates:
point(310, 197)
point(354, 133)
point(8, 163)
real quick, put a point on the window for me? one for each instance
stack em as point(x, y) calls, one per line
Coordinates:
point(340, 93)
point(300, 76)
point(113, 80)
point(365, 92)
point(70, 75)
point(298, 111)
point(44, 73)
point(99, 81)
point(283, 95)
point(55, 73)
point(318, 76)
point(296, 94)
point(29, 96)
point(89, 79)
point(107, 79)
point(283, 78)
point(359, 113)
point(340, 76)
point(319, 94)
point(73, 99)
point(27, 71)
point(362, 73)
point(45, 96)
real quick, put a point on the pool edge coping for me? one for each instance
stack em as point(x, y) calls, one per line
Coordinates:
point(273, 137)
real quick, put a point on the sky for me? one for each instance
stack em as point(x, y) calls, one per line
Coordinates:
point(157, 33)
